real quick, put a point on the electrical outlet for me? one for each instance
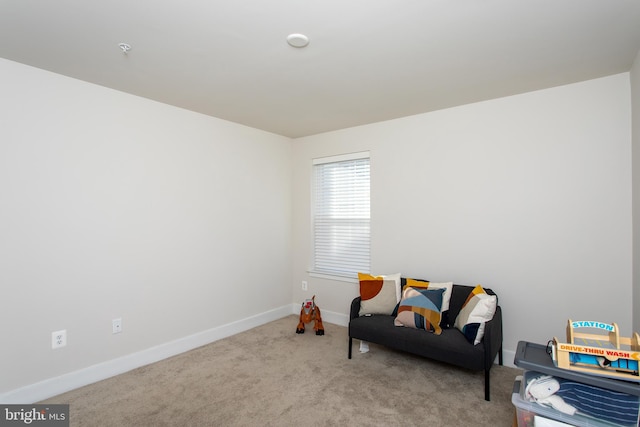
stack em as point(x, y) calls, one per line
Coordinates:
point(117, 325)
point(58, 339)
point(305, 285)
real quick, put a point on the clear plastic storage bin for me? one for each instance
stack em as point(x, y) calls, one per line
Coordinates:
point(527, 412)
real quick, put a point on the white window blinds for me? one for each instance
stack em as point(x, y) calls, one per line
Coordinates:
point(341, 220)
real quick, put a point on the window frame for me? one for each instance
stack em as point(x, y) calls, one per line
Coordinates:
point(348, 276)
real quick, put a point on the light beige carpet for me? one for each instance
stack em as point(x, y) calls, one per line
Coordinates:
point(271, 376)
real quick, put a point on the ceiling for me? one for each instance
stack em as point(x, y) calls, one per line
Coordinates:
point(367, 60)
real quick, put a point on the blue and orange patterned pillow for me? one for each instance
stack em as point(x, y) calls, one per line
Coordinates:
point(446, 297)
point(420, 308)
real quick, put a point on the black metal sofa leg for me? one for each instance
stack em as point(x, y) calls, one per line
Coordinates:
point(350, 343)
point(487, 376)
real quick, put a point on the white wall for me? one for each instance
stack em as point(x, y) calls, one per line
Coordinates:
point(635, 129)
point(529, 195)
point(117, 206)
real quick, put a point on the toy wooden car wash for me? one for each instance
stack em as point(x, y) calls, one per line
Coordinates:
point(605, 353)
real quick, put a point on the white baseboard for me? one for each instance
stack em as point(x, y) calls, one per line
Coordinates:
point(508, 357)
point(42, 390)
point(54, 386)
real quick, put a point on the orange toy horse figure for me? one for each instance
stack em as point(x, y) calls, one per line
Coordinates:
point(309, 312)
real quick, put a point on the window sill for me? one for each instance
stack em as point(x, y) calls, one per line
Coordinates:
point(333, 277)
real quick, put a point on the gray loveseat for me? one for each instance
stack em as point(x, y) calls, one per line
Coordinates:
point(450, 346)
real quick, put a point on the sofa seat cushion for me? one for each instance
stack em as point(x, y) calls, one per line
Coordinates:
point(450, 346)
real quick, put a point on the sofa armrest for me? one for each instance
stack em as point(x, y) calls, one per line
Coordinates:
point(355, 308)
point(492, 340)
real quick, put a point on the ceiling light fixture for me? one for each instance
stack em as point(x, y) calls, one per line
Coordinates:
point(297, 40)
point(125, 47)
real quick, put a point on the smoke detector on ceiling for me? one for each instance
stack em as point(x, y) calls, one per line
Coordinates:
point(297, 40)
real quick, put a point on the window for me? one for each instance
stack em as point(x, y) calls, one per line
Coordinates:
point(341, 220)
